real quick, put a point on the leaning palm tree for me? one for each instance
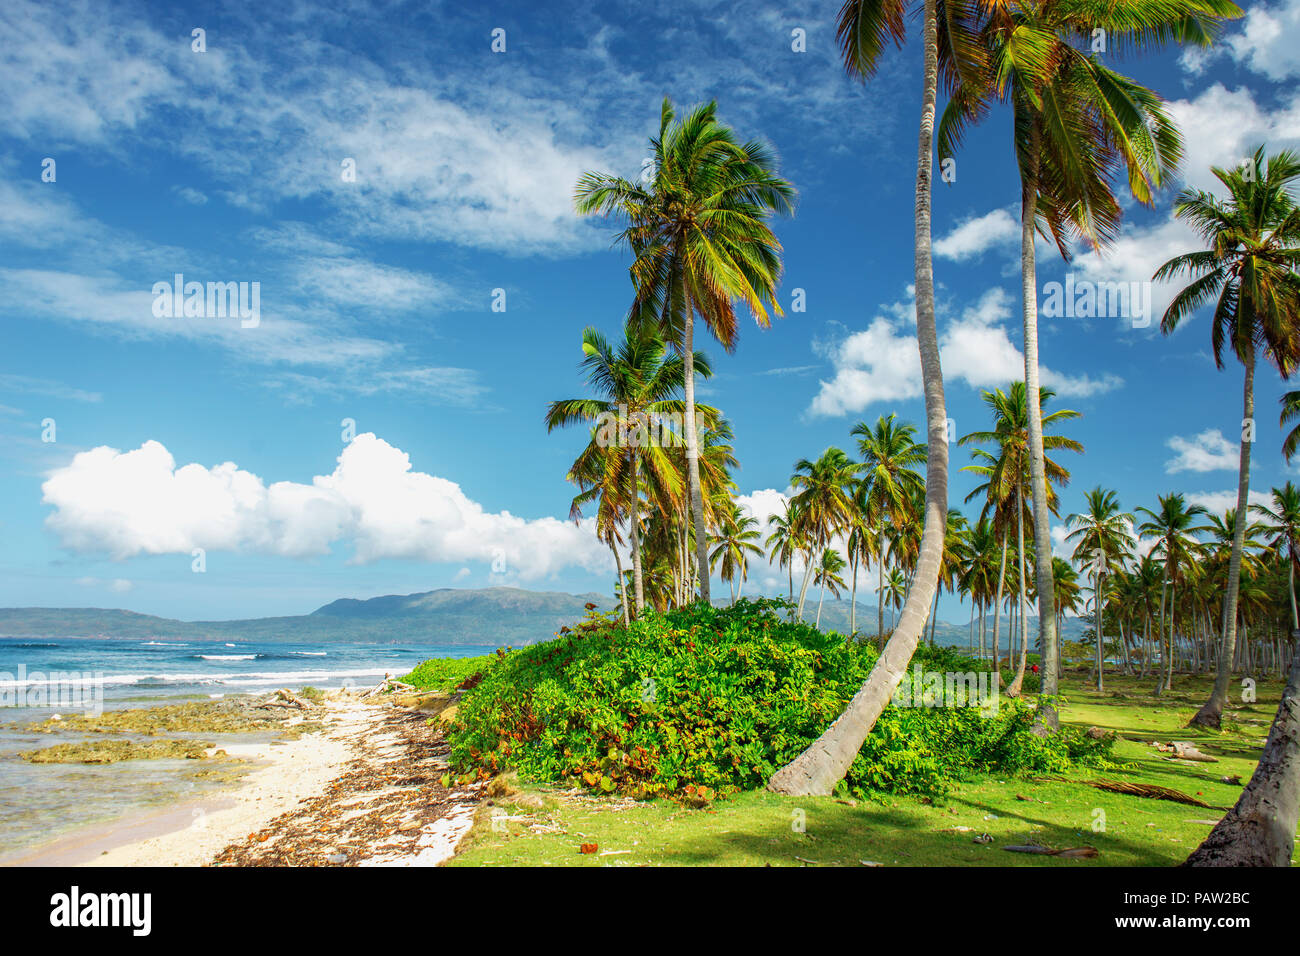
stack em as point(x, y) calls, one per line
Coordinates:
point(1282, 521)
point(700, 237)
point(636, 385)
point(1076, 125)
point(735, 543)
point(1260, 828)
point(864, 27)
point(1253, 248)
point(1103, 539)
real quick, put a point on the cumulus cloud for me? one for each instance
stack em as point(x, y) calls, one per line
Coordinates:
point(1207, 451)
point(881, 364)
point(974, 237)
point(140, 502)
point(1217, 502)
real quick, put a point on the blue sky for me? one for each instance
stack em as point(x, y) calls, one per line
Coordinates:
point(226, 164)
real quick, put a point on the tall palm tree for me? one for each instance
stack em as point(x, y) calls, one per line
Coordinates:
point(828, 577)
point(1103, 537)
point(863, 29)
point(785, 541)
point(1007, 472)
point(980, 574)
point(890, 458)
point(636, 385)
point(1282, 521)
point(735, 543)
point(700, 234)
point(1253, 240)
point(823, 504)
point(1174, 525)
point(1076, 124)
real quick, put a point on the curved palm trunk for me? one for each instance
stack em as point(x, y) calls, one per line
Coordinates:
point(1260, 829)
point(1047, 717)
point(693, 452)
point(819, 768)
point(1212, 710)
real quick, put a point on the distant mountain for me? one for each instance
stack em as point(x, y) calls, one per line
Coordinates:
point(490, 616)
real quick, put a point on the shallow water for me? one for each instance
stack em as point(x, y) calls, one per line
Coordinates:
point(39, 678)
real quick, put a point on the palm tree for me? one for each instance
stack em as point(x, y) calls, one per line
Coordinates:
point(1103, 537)
point(861, 544)
point(1253, 240)
point(636, 385)
point(1007, 472)
point(863, 29)
point(1174, 525)
point(735, 543)
point(785, 541)
point(980, 574)
point(822, 504)
point(828, 577)
point(890, 456)
point(701, 240)
point(1076, 124)
point(1283, 522)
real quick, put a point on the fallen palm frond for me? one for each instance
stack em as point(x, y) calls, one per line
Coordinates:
point(1148, 790)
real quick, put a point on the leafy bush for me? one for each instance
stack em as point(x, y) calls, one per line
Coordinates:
point(713, 700)
point(447, 673)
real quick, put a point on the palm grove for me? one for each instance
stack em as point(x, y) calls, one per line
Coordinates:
point(1167, 588)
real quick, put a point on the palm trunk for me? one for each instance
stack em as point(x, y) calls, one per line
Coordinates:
point(1019, 679)
point(880, 589)
point(1098, 580)
point(853, 599)
point(997, 613)
point(693, 450)
point(1212, 710)
point(1260, 829)
point(819, 768)
point(1164, 592)
point(634, 535)
point(1047, 717)
point(821, 597)
point(622, 585)
point(803, 589)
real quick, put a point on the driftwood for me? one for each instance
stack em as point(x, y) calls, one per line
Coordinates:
point(385, 686)
point(1182, 750)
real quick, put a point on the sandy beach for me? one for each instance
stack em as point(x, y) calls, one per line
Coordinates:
point(365, 790)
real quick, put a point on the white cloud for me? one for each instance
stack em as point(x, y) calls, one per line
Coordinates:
point(190, 195)
point(1217, 502)
point(140, 502)
point(974, 237)
point(1266, 42)
point(881, 364)
point(1207, 451)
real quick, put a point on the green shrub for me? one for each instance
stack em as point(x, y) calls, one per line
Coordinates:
point(713, 700)
point(447, 673)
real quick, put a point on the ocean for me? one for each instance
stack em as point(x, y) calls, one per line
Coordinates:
point(40, 678)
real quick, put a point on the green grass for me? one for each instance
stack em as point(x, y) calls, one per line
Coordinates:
point(758, 828)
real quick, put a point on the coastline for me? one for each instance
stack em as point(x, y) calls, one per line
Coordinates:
point(286, 809)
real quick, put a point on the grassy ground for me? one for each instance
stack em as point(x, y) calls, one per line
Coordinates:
point(542, 826)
